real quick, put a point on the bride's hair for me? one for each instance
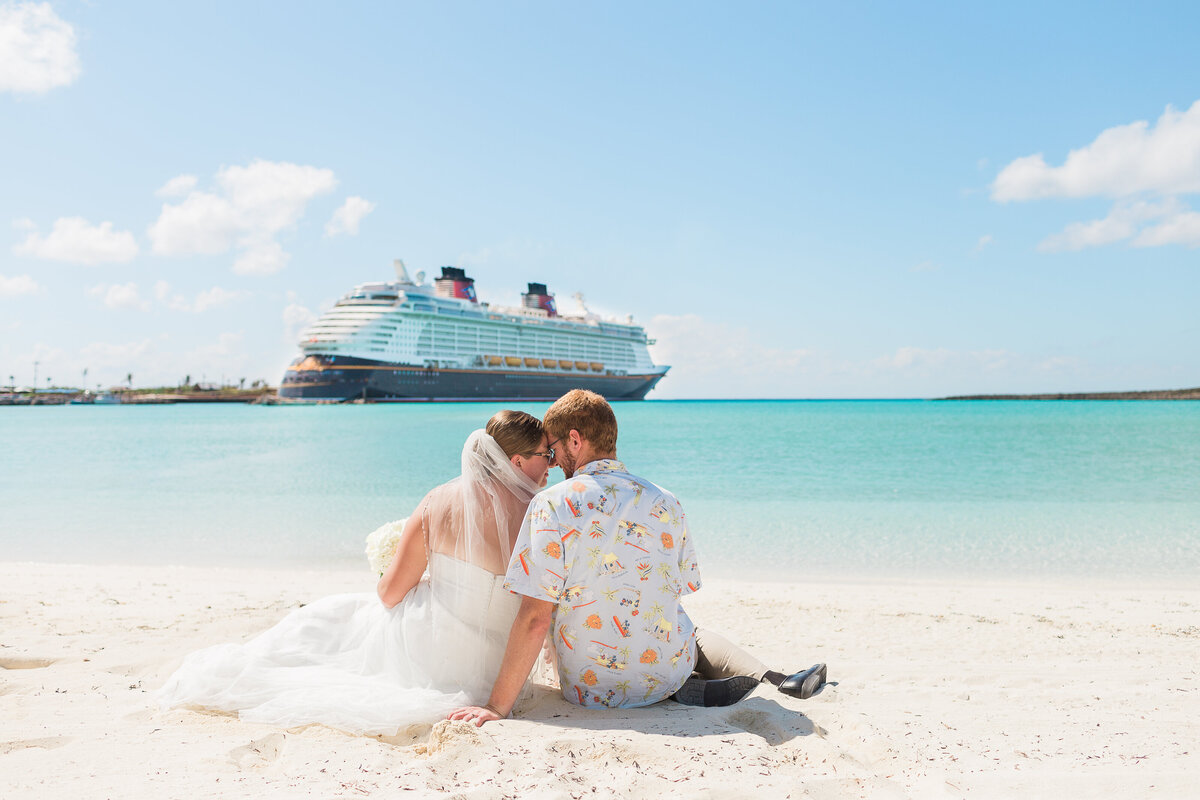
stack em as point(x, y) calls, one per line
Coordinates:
point(516, 432)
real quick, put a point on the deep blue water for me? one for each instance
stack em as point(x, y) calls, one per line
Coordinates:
point(882, 488)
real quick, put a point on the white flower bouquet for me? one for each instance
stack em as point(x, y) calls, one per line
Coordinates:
point(381, 545)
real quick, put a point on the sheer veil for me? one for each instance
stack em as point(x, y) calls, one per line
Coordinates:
point(473, 521)
point(475, 518)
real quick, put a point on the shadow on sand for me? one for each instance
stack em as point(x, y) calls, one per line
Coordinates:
point(759, 714)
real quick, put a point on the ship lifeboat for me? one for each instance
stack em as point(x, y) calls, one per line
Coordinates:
point(549, 362)
point(597, 366)
point(533, 362)
point(512, 361)
point(581, 365)
point(567, 364)
point(494, 361)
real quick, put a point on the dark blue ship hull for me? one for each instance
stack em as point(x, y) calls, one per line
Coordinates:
point(341, 378)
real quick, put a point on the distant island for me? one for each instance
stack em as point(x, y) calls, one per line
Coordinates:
point(258, 392)
point(1162, 394)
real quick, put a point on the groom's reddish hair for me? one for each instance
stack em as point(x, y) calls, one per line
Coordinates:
point(586, 412)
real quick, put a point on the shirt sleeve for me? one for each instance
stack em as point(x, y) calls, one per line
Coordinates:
point(538, 566)
point(689, 567)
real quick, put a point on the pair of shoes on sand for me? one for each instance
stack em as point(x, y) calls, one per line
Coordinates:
point(727, 691)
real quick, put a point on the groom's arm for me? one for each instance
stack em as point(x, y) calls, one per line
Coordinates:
point(524, 643)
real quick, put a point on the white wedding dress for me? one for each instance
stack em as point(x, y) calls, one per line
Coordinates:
point(348, 662)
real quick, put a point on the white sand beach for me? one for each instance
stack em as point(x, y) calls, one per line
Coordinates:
point(941, 690)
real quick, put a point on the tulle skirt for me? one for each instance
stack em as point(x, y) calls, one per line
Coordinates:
point(347, 662)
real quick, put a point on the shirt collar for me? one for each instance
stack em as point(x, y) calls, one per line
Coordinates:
point(600, 466)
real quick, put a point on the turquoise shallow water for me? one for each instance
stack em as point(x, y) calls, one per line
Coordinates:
point(772, 489)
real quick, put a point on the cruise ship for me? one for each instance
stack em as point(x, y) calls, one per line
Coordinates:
point(410, 341)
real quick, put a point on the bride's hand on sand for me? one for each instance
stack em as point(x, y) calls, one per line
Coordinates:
point(474, 714)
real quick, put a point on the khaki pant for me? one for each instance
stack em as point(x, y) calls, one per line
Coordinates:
point(717, 657)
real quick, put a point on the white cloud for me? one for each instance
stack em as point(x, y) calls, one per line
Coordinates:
point(1122, 222)
point(108, 363)
point(703, 353)
point(984, 241)
point(1182, 227)
point(120, 296)
point(261, 258)
point(1123, 161)
point(1146, 168)
point(925, 266)
point(225, 360)
point(928, 361)
point(228, 345)
point(17, 285)
point(296, 318)
point(1060, 364)
point(203, 224)
point(217, 297)
point(250, 207)
point(178, 186)
point(173, 301)
point(157, 360)
point(37, 49)
point(717, 360)
point(77, 241)
point(106, 354)
point(347, 218)
point(209, 298)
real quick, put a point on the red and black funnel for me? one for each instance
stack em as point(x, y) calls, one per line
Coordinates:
point(538, 297)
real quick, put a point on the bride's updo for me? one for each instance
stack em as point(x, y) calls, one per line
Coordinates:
point(516, 432)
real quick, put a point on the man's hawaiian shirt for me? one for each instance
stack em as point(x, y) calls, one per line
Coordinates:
point(613, 551)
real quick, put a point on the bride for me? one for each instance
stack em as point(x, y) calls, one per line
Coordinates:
point(432, 640)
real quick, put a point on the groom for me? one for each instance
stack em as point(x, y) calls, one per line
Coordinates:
point(603, 559)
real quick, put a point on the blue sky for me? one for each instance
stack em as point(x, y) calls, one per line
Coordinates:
point(796, 200)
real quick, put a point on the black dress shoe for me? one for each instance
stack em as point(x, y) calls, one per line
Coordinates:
point(697, 691)
point(805, 684)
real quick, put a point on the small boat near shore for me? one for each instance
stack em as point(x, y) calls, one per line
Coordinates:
point(96, 399)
